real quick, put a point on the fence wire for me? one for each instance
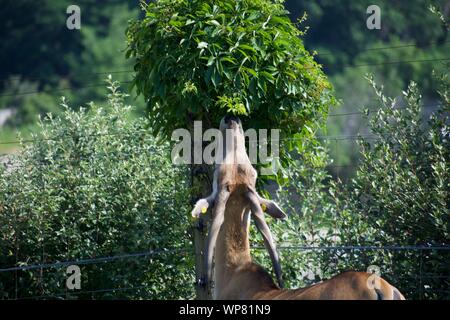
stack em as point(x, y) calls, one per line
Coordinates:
point(415, 280)
point(19, 271)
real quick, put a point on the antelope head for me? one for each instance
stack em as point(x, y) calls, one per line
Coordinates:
point(235, 176)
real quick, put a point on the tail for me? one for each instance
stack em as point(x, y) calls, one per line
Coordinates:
point(387, 291)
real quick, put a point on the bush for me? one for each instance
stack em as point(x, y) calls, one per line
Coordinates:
point(93, 184)
point(308, 198)
point(400, 193)
point(96, 184)
point(399, 197)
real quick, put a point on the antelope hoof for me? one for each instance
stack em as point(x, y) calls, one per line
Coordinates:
point(201, 207)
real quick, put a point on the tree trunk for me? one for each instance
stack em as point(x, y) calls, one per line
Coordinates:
point(201, 186)
point(201, 178)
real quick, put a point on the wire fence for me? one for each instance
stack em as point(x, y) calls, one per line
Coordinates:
point(423, 282)
point(21, 275)
point(94, 260)
point(391, 47)
point(416, 281)
point(92, 85)
point(190, 250)
point(320, 54)
point(358, 136)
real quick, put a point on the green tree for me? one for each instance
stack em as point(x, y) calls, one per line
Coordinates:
point(200, 60)
point(65, 62)
point(197, 60)
point(35, 40)
point(348, 50)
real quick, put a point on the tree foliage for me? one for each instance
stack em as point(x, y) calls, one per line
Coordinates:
point(198, 60)
point(410, 43)
point(399, 197)
point(41, 58)
point(95, 184)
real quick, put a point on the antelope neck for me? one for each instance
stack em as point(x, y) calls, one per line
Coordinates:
point(232, 247)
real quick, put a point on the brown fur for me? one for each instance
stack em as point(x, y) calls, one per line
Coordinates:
point(237, 277)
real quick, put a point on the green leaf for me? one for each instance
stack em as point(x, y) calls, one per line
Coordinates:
point(215, 22)
point(210, 61)
point(202, 45)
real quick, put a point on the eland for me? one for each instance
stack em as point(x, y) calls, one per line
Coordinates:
point(234, 200)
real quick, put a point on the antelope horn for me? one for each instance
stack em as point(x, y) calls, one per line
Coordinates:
point(218, 218)
point(263, 228)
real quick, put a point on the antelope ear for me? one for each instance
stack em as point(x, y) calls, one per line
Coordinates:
point(271, 208)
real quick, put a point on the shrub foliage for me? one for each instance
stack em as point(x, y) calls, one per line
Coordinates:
point(95, 184)
point(399, 197)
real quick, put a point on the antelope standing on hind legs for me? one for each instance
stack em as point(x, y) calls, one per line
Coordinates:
point(234, 199)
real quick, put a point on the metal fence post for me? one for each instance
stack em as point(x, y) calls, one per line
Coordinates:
point(421, 275)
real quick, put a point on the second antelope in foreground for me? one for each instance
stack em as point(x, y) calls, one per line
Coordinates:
point(234, 200)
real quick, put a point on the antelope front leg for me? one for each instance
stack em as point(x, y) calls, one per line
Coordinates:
point(204, 204)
